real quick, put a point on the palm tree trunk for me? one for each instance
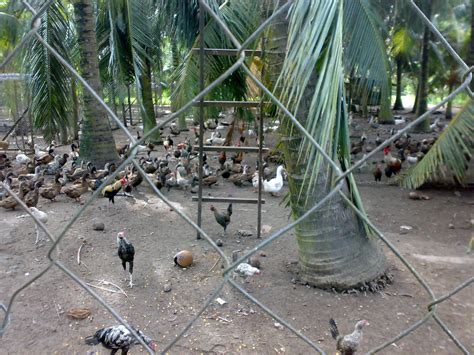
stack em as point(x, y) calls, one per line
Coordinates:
point(423, 81)
point(398, 101)
point(417, 95)
point(75, 109)
point(146, 106)
point(97, 142)
point(470, 57)
point(449, 106)
point(334, 249)
point(175, 62)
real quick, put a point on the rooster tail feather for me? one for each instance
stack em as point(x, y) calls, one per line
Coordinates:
point(229, 209)
point(91, 340)
point(333, 328)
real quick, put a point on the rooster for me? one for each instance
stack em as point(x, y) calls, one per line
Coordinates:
point(126, 253)
point(168, 143)
point(223, 218)
point(118, 338)
point(113, 189)
point(392, 165)
point(348, 344)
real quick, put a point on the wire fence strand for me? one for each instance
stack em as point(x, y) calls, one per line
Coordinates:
point(227, 278)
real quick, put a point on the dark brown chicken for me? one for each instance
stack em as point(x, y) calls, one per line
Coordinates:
point(223, 218)
point(378, 173)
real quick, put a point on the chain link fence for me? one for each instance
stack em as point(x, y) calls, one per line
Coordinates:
point(229, 266)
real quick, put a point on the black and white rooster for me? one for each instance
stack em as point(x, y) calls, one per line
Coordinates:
point(348, 344)
point(117, 338)
point(126, 253)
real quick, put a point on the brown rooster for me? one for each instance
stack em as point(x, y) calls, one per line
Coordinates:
point(392, 165)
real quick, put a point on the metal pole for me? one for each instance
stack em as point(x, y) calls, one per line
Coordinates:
point(201, 114)
point(260, 147)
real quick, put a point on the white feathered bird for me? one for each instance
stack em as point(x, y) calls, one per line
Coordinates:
point(276, 184)
point(22, 159)
point(246, 270)
point(42, 217)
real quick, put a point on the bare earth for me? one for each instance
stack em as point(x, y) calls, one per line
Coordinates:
point(39, 323)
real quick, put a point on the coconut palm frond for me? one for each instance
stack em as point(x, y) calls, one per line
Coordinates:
point(450, 155)
point(49, 80)
point(365, 54)
point(243, 18)
point(314, 55)
point(179, 19)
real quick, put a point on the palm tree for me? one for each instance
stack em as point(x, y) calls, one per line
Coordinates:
point(335, 249)
point(97, 141)
point(126, 44)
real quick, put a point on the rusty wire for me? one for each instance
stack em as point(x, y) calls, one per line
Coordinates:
point(431, 307)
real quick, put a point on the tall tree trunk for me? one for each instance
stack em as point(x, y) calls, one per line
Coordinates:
point(470, 57)
point(398, 100)
point(423, 81)
point(334, 249)
point(146, 104)
point(97, 141)
point(75, 109)
point(417, 96)
point(175, 61)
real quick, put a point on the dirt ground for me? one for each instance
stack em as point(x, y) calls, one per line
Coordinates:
point(436, 247)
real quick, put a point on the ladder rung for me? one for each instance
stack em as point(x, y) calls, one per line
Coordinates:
point(229, 199)
point(230, 103)
point(231, 52)
point(221, 148)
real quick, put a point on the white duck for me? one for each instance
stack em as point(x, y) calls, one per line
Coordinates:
point(215, 139)
point(276, 184)
point(22, 159)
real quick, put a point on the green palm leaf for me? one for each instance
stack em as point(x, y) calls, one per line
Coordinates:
point(365, 54)
point(449, 156)
point(49, 80)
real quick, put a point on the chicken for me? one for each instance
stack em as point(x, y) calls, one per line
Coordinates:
point(22, 158)
point(246, 270)
point(392, 165)
point(31, 198)
point(123, 149)
point(378, 172)
point(348, 344)
point(275, 185)
point(113, 189)
point(126, 253)
point(4, 145)
point(222, 159)
point(223, 218)
point(75, 191)
point(117, 338)
point(43, 218)
point(168, 143)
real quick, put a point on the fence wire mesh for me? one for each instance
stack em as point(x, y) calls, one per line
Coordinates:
point(226, 276)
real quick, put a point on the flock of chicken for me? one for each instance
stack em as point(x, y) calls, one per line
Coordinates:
point(47, 175)
point(408, 149)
